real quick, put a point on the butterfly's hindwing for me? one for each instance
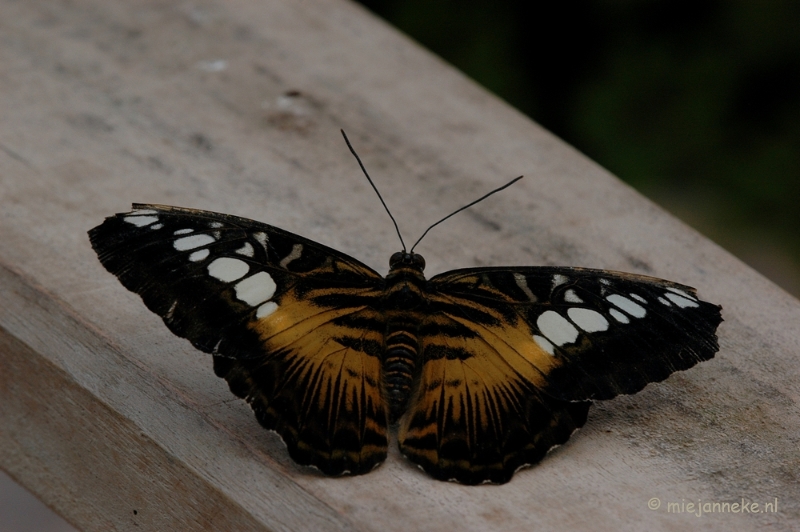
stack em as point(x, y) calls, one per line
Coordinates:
point(291, 323)
point(478, 411)
point(319, 387)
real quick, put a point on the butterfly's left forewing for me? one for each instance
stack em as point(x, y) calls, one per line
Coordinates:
point(511, 356)
point(293, 324)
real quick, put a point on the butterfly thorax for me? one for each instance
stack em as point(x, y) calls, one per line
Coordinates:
point(403, 305)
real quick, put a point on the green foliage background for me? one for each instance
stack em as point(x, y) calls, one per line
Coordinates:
point(695, 103)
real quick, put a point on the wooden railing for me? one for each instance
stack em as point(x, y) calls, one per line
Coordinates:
point(236, 106)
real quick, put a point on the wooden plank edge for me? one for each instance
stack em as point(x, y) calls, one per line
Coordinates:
point(90, 463)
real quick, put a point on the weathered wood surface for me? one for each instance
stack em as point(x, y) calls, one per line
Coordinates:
point(117, 424)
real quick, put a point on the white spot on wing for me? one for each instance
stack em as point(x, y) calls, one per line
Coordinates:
point(297, 250)
point(266, 309)
point(605, 282)
point(588, 320)
point(681, 293)
point(261, 238)
point(215, 225)
point(571, 297)
point(183, 231)
point(227, 269)
point(144, 211)
point(556, 328)
point(246, 250)
point(197, 256)
point(256, 289)
point(156, 226)
point(141, 221)
point(664, 302)
point(171, 310)
point(639, 298)
point(622, 302)
point(191, 242)
point(559, 279)
point(544, 343)
point(619, 316)
point(523, 285)
point(681, 301)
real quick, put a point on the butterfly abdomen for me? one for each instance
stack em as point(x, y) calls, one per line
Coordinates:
point(403, 303)
point(399, 363)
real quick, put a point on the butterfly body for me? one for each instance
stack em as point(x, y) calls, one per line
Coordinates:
point(480, 371)
point(404, 307)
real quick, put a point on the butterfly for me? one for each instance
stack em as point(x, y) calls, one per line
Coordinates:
point(480, 371)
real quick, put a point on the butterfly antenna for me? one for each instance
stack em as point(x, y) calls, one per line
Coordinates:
point(464, 207)
point(375, 188)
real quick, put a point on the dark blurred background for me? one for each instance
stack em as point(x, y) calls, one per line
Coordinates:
point(694, 103)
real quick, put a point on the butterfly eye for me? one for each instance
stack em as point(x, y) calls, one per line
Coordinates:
point(418, 261)
point(396, 259)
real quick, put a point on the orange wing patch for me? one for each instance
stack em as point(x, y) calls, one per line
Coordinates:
point(318, 384)
point(477, 413)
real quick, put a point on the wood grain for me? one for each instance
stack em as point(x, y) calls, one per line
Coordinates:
point(235, 107)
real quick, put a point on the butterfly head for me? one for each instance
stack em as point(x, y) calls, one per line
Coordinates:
point(404, 259)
